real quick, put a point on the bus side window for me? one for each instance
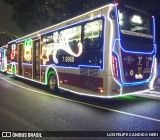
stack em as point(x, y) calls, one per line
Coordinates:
point(73, 45)
point(87, 43)
point(93, 35)
point(97, 42)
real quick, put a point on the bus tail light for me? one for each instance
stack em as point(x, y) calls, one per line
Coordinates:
point(115, 66)
point(100, 89)
point(116, 4)
point(115, 90)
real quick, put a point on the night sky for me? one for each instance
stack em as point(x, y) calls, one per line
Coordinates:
point(5, 19)
point(7, 24)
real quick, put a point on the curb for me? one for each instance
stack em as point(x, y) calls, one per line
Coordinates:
point(153, 94)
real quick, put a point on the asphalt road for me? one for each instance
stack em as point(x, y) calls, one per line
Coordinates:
point(26, 106)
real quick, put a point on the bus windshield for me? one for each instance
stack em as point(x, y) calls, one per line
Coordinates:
point(132, 22)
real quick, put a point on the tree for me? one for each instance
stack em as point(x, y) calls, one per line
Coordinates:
point(32, 15)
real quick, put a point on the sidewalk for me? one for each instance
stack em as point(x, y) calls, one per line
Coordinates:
point(154, 93)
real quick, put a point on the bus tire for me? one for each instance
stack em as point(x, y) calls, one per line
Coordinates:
point(52, 83)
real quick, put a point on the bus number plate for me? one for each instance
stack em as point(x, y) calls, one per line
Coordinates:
point(67, 59)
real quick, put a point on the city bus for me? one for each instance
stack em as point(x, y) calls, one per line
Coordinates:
point(107, 52)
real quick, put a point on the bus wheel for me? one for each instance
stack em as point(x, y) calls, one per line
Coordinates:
point(52, 83)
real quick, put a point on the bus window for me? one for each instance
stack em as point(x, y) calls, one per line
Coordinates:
point(47, 38)
point(93, 35)
point(72, 37)
point(136, 30)
point(135, 22)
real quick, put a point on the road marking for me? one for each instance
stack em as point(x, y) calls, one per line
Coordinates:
point(92, 105)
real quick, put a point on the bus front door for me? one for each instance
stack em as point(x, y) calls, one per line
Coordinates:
point(36, 60)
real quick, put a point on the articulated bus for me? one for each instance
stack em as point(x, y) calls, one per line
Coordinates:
point(107, 52)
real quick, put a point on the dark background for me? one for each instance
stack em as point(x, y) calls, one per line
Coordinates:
point(22, 17)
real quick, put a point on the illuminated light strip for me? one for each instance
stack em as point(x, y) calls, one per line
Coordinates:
point(44, 61)
point(3, 70)
point(135, 83)
point(28, 45)
point(136, 52)
point(132, 83)
point(81, 49)
point(79, 66)
point(154, 92)
point(115, 78)
point(87, 104)
point(111, 23)
point(21, 41)
point(30, 79)
point(12, 63)
point(90, 95)
point(9, 73)
point(13, 52)
point(43, 30)
point(88, 66)
point(14, 68)
point(119, 34)
point(104, 42)
point(60, 45)
point(119, 40)
point(44, 49)
point(3, 47)
point(4, 60)
point(154, 68)
point(27, 64)
point(100, 96)
point(113, 63)
point(154, 30)
point(116, 63)
point(69, 26)
point(9, 64)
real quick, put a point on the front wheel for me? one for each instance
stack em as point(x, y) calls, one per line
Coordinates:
point(52, 83)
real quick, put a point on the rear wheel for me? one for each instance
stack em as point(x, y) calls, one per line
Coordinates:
point(52, 83)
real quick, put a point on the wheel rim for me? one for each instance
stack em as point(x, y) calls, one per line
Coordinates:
point(52, 82)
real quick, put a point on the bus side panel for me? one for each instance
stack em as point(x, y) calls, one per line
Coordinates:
point(81, 82)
